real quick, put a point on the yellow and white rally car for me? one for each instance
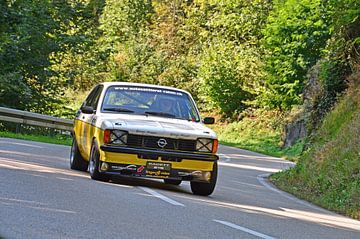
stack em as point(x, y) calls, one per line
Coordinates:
point(145, 130)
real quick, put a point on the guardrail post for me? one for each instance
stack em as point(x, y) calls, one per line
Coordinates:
point(52, 132)
point(18, 128)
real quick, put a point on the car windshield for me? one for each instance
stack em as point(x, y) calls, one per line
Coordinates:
point(149, 101)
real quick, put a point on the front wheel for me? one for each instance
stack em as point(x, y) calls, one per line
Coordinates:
point(77, 162)
point(205, 189)
point(94, 163)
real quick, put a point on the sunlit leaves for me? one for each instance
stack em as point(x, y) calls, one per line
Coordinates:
point(295, 36)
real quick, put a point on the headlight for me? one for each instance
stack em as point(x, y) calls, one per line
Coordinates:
point(118, 137)
point(204, 145)
point(115, 137)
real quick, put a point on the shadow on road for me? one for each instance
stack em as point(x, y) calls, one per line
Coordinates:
point(146, 182)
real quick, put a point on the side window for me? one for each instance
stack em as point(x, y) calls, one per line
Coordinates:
point(90, 98)
point(95, 99)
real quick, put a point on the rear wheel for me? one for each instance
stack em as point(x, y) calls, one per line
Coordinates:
point(205, 189)
point(77, 162)
point(172, 181)
point(94, 163)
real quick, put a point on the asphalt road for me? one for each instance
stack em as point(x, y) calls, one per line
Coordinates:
point(40, 197)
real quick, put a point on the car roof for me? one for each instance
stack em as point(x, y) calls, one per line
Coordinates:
point(118, 83)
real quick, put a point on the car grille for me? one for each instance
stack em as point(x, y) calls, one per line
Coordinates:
point(152, 142)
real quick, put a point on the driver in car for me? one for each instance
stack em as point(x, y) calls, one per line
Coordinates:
point(165, 104)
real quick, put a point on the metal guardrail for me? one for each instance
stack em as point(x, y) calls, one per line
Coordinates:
point(29, 118)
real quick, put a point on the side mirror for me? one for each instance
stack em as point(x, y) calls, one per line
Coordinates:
point(209, 120)
point(87, 110)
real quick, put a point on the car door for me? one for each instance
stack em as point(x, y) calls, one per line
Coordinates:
point(90, 121)
point(84, 121)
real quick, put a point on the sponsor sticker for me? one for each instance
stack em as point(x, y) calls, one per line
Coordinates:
point(145, 89)
point(158, 169)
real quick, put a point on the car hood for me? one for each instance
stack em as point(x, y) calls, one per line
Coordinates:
point(155, 126)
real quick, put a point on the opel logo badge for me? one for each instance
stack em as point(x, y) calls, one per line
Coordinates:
point(162, 143)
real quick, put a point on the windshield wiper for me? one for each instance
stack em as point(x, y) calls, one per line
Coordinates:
point(160, 114)
point(119, 110)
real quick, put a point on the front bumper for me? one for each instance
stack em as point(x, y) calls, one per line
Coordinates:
point(187, 166)
point(140, 171)
point(155, 154)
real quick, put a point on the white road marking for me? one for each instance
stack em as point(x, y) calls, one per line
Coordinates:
point(31, 155)
point(37, 175)
point(39, 208)
point(243, 166)
point(21, 144)
point(244, 229)
point(115, 184)
point(53, 209)
point(66, 179)
point(261, 179)
point(227, 158)
point(21, 201)
point(31, 204)
point(162, 197)
point(16, 164)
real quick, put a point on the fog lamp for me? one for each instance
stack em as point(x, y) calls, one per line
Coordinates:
point(207, 176)
point(104, 166)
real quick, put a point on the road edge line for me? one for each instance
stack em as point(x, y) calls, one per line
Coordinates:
point(262, 178)
point(162, 197)
point(244, 229)
point(227, 158)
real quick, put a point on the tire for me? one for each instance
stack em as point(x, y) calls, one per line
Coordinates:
point(205, 189)
point(77, 162)
point(94, 163)
point(172, 181)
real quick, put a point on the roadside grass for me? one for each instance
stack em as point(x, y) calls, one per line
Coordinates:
point(260, 133)
point(56, 139)
point(328, 174)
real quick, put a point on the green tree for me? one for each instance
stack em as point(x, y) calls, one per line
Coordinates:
point(295, 35)
point(28, 37)
point(226, 73)
point(36, 37)
point(78, 63)
point(228, 50)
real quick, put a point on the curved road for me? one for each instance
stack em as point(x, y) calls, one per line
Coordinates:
point(40, 197)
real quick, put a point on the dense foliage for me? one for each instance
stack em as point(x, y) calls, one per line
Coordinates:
point(295, 35)
point(230, 54)
point(27, 43)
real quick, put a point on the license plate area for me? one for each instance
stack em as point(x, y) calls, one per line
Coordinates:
point(158, 169)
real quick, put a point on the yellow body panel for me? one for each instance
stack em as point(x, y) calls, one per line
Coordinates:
point(85, 134)
point(78, 132)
